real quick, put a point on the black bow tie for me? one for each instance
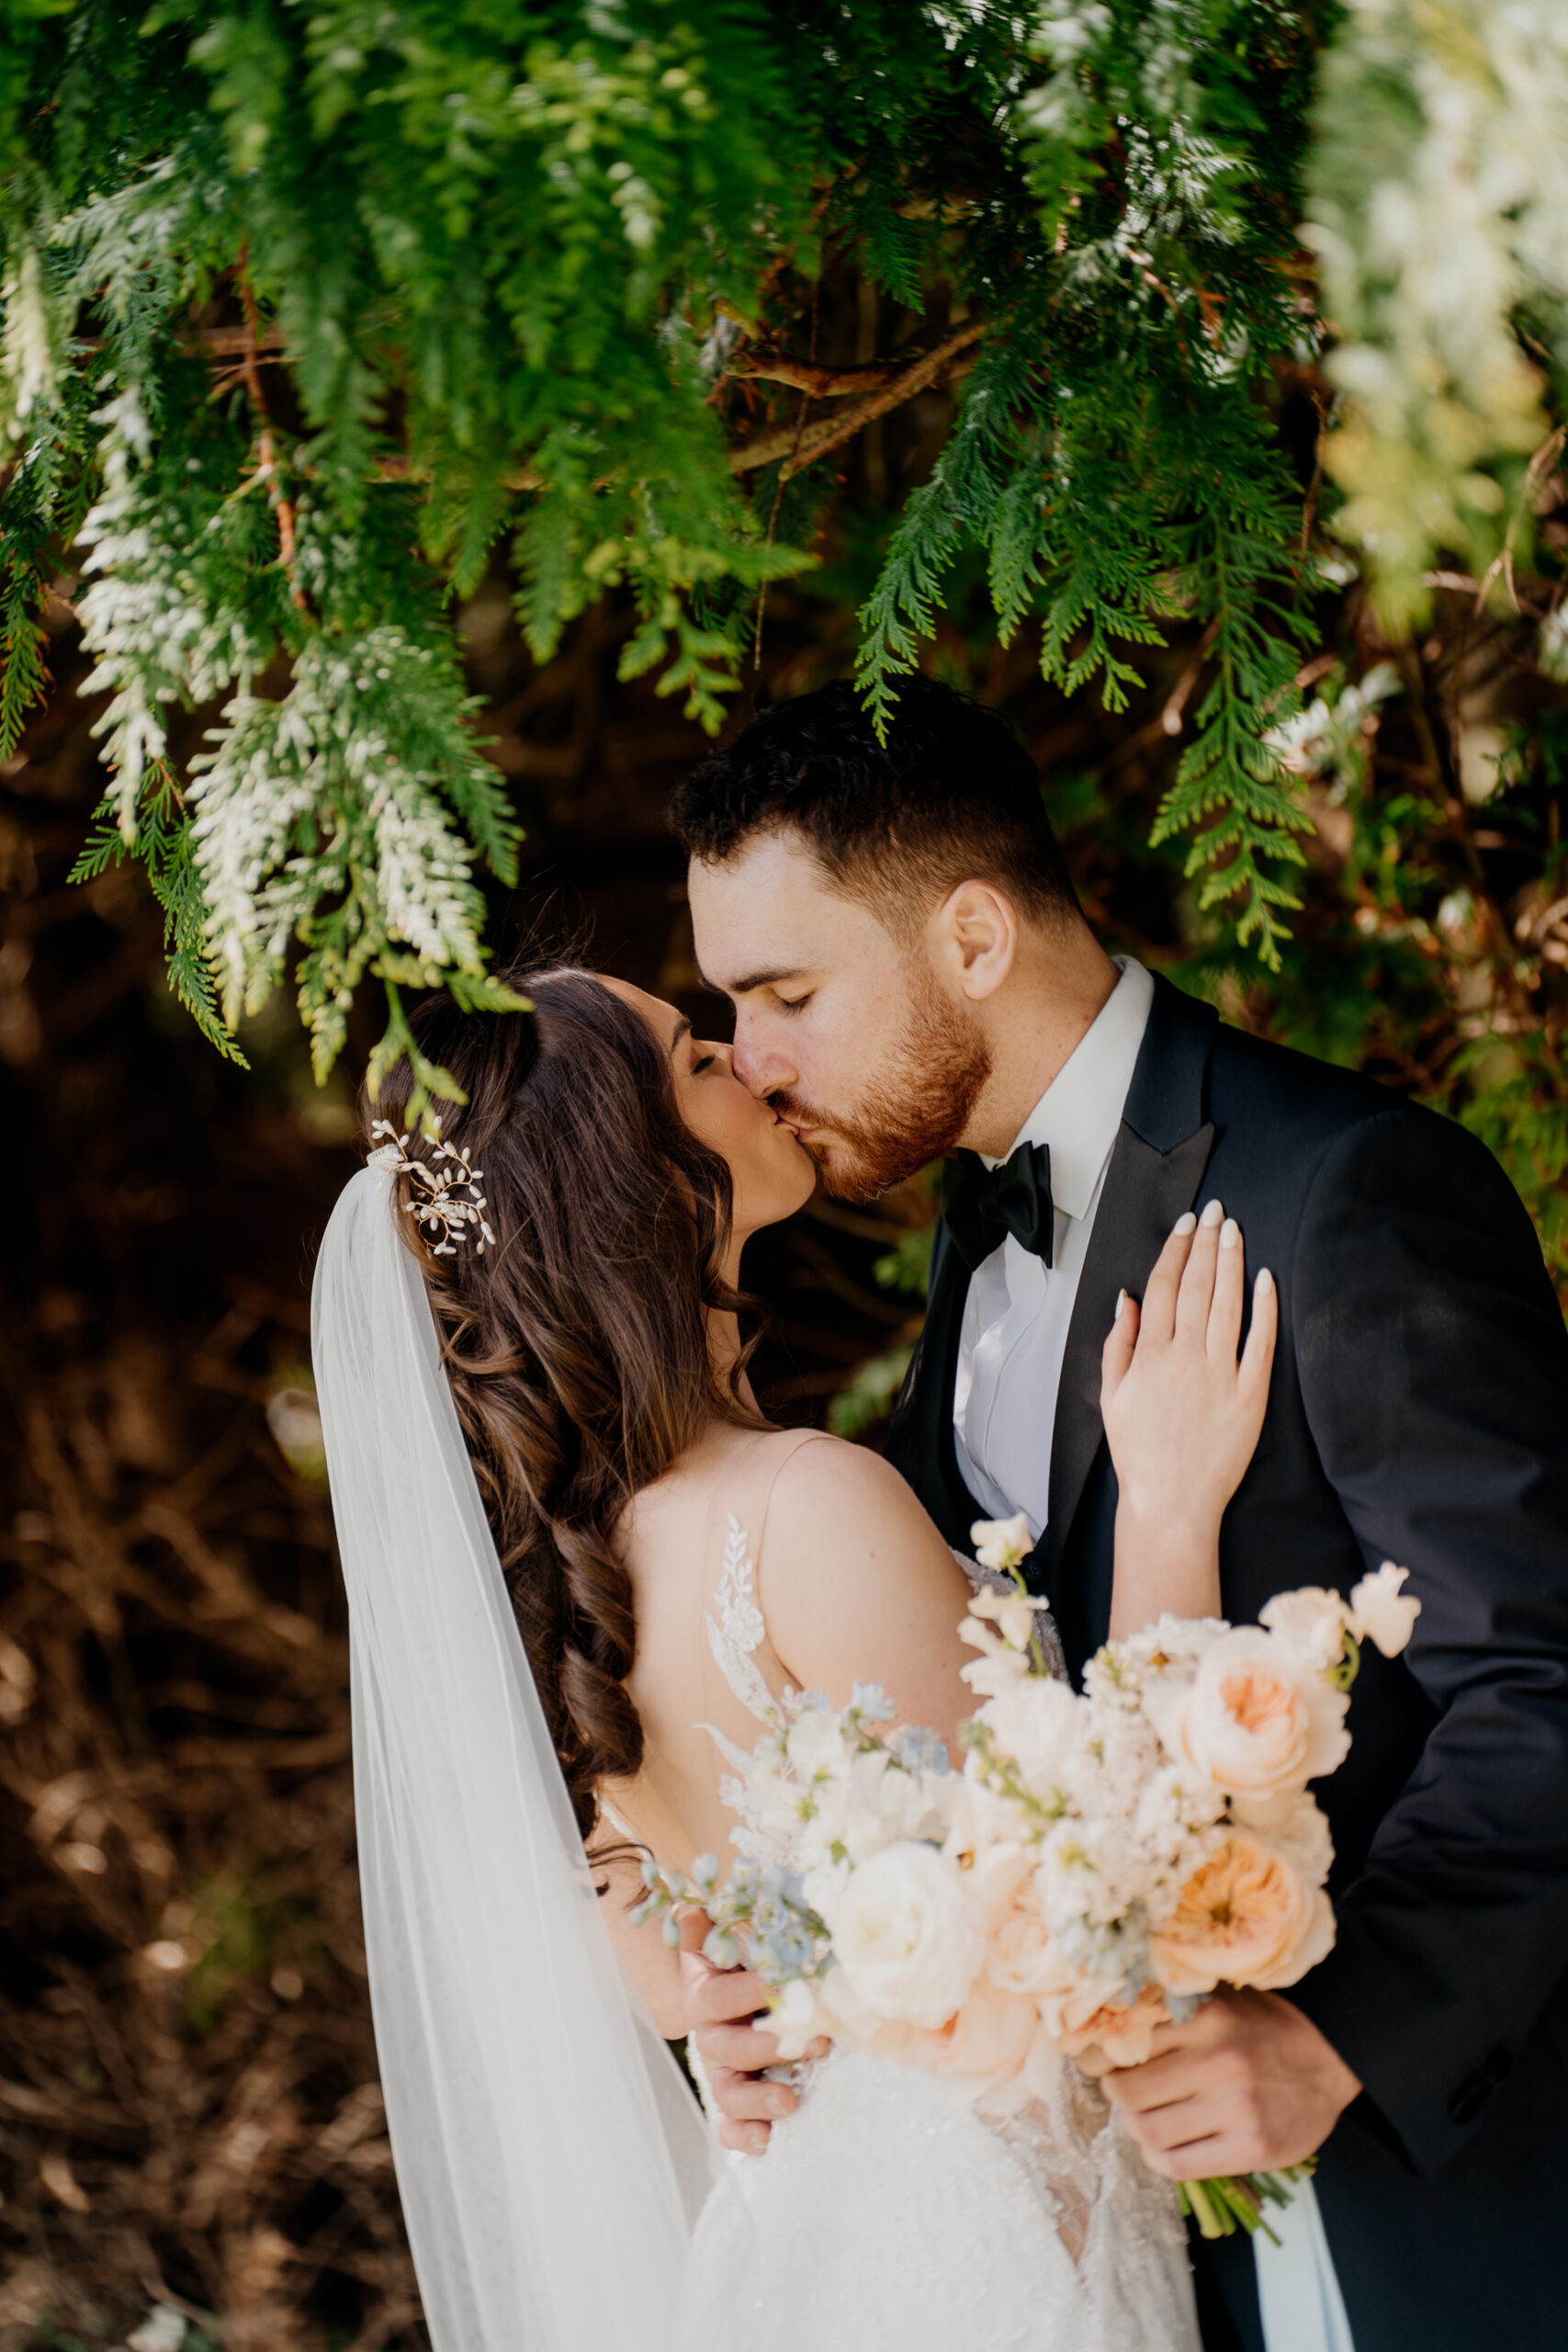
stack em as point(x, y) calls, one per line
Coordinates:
point(981, 1205)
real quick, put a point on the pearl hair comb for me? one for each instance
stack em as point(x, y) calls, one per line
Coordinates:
point(441, 1210)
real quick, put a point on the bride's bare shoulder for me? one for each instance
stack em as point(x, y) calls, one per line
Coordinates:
point(826, 1481)
point(840, 1515)
point(810, 1499)
point(857, 1584)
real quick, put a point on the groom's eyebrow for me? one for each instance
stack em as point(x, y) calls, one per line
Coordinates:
point(768, 976)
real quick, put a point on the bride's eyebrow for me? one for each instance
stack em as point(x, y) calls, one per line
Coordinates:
point(682, 1029)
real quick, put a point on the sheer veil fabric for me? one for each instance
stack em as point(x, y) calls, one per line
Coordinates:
point(550, 2158)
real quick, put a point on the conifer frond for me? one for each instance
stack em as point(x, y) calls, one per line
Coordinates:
point(480, 280)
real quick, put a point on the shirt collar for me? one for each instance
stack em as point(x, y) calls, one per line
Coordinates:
point(1080, 1111)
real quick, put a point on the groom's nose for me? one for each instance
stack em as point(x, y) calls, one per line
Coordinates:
point(760, 1065)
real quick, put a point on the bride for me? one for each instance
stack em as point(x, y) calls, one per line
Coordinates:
point(539, 1425)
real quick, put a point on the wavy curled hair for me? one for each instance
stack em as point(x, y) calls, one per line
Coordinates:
point(576, 1345)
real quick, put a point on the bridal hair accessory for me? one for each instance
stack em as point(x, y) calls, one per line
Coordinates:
point(443, 1209)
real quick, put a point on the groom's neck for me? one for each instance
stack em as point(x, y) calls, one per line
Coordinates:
point(1059, 983)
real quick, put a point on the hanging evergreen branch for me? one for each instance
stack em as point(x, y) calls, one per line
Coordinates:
point(307, 320)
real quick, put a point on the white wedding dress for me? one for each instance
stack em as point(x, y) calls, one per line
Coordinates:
point(562, 2193)
point(888, 2214)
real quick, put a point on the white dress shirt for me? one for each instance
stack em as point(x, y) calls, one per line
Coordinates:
point(1014, 1336)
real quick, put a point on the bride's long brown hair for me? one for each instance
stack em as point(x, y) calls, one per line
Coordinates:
point(577, 1345)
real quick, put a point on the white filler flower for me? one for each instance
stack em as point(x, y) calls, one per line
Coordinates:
point(1001, 1542)
point(1381, 1615)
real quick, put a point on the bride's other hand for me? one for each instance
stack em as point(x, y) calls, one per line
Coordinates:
point(1182, 1417)
point(735, 2046)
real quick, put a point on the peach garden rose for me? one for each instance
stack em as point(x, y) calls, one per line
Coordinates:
point(1246, 1916)
point(1258, 1720)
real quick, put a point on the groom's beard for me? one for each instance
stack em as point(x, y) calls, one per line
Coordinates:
point(914, 1110)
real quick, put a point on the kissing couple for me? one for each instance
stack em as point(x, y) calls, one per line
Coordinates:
point(1218, 1320)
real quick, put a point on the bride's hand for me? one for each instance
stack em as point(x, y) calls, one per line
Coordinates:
point(1182, 1417)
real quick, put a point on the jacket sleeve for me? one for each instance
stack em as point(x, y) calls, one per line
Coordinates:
point(1434, 1368)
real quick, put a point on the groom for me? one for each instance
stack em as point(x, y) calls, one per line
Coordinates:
point(913, 979)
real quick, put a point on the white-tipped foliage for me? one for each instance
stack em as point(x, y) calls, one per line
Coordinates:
point(351, 789)
point(1438, 207)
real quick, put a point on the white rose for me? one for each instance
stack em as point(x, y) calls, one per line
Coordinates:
point(1001, 1542)
point(843, 2013)
point(1311, 1621)
point(905, 1937)
point(1258, 1719)
point(1036, 1723)
point(1380, 1616)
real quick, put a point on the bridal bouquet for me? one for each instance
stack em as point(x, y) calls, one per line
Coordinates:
point(1100, 1863)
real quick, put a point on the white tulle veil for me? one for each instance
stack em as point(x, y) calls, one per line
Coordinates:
point(550, 2155)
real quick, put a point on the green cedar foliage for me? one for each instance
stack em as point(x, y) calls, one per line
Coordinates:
point(312, 316)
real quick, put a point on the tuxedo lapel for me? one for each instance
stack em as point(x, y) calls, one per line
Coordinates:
point(1155, 1168)
point(920, 1441)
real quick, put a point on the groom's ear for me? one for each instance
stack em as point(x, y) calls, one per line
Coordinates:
point(972, 939)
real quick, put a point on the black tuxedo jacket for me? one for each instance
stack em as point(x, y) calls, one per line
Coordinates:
point(1418, 1411)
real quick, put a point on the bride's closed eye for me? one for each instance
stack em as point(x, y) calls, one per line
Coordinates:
point(702, 1062)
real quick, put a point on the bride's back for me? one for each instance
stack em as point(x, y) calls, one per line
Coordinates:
point(592, 1353)
point(767, 1559)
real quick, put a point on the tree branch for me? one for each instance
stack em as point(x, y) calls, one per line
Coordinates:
point(822, 383)
point(829, 433)
point(268, 468)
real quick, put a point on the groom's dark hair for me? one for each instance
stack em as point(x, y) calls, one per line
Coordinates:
point(951, 794)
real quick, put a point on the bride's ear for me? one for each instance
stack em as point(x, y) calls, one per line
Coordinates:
point(973, 938)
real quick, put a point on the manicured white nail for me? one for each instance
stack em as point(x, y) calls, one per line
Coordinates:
point(1188, 1223)
point(1264, 1280)
point(1230, 1233)
point(1120, 1303)
point(1213, 1213)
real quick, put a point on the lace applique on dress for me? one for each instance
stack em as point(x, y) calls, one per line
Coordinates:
point(734, 1634)
point(737, 1629)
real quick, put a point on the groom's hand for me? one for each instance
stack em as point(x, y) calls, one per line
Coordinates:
point(1246, 2084)
point(734, 2051)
